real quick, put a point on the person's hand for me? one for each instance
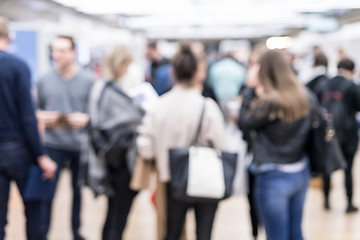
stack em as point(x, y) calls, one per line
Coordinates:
point(48, 166)
point(77, 120)
point(47, 118)
point(252, 78)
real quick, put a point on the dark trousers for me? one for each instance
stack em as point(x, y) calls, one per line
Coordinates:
point(60, 157)
point(119, 205)
point(176, 214)
point(14, 166)
point(348, 179)
point(252, 205)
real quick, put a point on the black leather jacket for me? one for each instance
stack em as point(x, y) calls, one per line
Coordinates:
point(273, 141)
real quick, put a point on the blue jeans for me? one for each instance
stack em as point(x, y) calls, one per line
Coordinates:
point(60, 157)
point(14, 166)
point(280, 201)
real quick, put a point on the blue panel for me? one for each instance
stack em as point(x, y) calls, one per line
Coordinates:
point(24, 45)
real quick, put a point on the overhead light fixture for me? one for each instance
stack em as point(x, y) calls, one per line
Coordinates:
point(278, 42)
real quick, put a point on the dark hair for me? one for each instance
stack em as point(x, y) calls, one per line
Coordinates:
point(184, 63)
point(71, 39)
point(320, 60)
point(346, 64)
point(152, 44)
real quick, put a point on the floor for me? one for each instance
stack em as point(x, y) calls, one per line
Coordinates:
point(231, 223)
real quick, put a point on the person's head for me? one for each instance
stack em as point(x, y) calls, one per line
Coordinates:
point(63, 51)
point(320, 60)
point(184, 64)
point(4, 31)
point(346, 68)
point(152, 53)
point(281, 87)
point(116, 63)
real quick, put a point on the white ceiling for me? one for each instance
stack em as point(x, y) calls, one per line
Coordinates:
point(217, 18)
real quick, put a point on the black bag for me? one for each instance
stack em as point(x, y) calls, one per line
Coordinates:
point(333, 101)
point(324, 150)
point(179, 168)
point(113, 143)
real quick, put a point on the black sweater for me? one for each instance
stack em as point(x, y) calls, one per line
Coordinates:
point(17, 116)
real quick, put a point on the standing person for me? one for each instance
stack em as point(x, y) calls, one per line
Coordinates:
point(319, 75)
point(172, 123)
point(227, 77)
point(342, 99)
point(63, 102)
point(19, 138)
point(113, 110)
point(276, 110)
point(159, 73)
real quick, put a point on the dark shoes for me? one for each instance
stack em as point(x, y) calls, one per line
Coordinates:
point(79, 237)
point(326, 204)
point(351, 209)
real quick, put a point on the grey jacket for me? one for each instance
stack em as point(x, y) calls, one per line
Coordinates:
point(109, 108)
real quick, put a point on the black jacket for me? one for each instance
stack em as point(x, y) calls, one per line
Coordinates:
point(352, 103)
point(317, 85)
point(273, 141)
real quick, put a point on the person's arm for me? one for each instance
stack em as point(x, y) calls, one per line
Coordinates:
point(45, 118)
point(355, 95)
point(145, 141)
point(254, 118)
point(29, 122)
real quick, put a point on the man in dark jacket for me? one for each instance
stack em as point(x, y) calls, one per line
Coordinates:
point(19, 138)
point(319, 75)
point(341, 87)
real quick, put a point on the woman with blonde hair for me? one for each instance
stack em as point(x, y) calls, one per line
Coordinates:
point(276, 110)
point(172, 123)
point(114, 119)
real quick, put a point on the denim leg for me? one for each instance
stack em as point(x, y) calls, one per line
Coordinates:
point(271, 196)
point(4, 197)
point(76, 201)
point(280, 200)
point(297, 205)
point(205, 214)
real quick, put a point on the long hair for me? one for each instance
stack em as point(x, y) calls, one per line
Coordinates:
point(111, 63)
point(287, 96)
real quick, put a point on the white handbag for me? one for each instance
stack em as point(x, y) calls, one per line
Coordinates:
point(207, 182)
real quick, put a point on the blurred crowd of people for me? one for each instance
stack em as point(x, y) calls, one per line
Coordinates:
point(99, 129)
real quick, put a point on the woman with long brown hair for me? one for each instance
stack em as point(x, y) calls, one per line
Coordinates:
point(276, 111)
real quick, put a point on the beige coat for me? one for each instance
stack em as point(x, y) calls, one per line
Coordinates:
point(173, 123)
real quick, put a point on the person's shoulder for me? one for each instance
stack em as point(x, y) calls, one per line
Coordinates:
point(86, 75)
point(14, 62)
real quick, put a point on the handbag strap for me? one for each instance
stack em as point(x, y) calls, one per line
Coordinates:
point(196, 138)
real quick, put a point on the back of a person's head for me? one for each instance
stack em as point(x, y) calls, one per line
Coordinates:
point(346, 64)
point(282, 87)
point(275, 71)
point(112, 62)
point(4, 28)
point(184, 63)
point(320, 60)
